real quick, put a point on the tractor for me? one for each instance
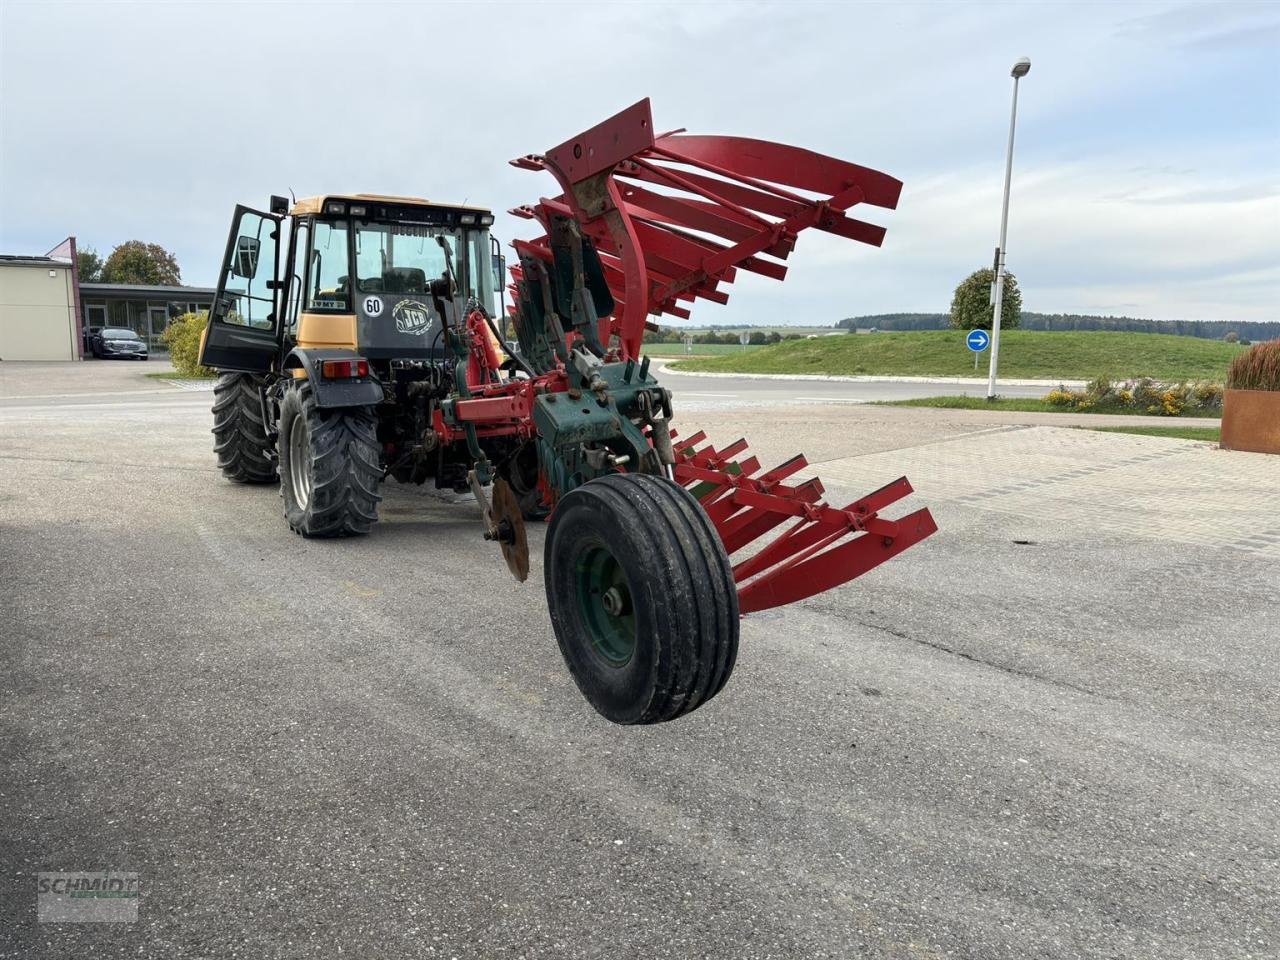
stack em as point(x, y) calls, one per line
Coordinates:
point(357, 340)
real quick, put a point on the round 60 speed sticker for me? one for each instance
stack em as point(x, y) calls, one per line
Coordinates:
point(373, 306)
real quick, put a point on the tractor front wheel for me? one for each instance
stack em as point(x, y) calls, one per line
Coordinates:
point(240, 437)
point(641, 597)
point(329, 466)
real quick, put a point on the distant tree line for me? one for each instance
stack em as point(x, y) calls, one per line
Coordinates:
point(1245, 330)
point(756, 337)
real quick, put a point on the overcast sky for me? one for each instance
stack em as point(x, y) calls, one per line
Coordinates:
point(1146, 176)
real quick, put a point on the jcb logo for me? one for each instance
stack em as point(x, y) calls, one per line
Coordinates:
point(411, 316)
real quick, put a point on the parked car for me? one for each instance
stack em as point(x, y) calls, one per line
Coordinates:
point(117, 342)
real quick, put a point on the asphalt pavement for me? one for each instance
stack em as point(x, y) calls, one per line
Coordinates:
point(1048, 731)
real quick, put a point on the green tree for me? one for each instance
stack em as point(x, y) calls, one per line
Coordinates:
point(971, 306)
point(88, 265)
point(137, 262)
point(757, 338)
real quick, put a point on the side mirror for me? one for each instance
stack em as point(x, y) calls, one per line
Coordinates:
point(246, 261)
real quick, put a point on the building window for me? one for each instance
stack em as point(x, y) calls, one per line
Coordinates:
point(117, 313)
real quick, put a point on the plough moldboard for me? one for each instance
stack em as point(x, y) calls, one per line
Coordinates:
point(648, 224)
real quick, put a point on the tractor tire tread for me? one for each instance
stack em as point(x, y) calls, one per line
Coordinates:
point(345, 468)
point(243, 447)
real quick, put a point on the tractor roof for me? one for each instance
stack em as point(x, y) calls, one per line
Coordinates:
point(316, 204)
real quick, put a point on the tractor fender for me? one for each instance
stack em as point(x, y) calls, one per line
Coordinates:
point(366, 391)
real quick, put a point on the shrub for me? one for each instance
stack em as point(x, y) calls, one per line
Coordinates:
point(1099, 390)
point(1060, 396)
point(1208, 396)
point(1257, 368)
point(182, 336)
point(1139, 396)
point(1172, 401)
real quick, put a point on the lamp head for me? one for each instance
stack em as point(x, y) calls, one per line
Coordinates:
point(1021, 68)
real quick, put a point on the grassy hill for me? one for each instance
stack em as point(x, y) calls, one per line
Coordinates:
point(1023, 354)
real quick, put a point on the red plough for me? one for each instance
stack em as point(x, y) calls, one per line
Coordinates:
point(673, 217)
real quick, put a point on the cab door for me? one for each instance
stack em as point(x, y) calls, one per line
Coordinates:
point(244, 321)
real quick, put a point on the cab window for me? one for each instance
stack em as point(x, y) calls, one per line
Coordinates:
point(328, 289)
point(402, 258)
point(247, 276)
point(480, 275)
point(298, 274)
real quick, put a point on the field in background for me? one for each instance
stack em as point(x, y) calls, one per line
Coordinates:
point(698, 349)
point(1023, 354)
point(781, 328)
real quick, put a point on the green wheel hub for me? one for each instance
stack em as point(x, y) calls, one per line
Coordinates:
point(604, 601)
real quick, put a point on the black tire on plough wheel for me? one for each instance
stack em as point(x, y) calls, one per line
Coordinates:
point(641, 597)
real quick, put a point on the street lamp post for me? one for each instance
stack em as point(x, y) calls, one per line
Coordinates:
point(1020, 70)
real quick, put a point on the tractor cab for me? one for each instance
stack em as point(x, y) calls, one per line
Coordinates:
point(360, 272)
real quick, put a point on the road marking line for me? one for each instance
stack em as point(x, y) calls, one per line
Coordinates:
point(67, 396)
point(176, 403)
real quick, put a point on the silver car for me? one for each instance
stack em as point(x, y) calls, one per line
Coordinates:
point(117, 342)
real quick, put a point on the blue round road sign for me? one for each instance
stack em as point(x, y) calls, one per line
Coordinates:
point(977, 340)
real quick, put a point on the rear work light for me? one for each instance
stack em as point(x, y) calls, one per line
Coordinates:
point(344, 369)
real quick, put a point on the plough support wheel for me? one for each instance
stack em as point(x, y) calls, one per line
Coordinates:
point(642, 597)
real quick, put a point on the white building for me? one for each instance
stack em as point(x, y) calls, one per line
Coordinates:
point(39, 306)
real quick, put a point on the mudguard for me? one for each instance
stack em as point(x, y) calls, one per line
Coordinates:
point(366, 391)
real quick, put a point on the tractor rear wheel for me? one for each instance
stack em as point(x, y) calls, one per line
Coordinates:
point(240, 439)
point(641, 597)
point(329, 466)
